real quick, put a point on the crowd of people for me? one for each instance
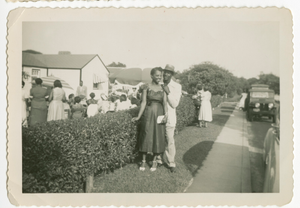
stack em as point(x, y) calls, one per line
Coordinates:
point(41, 105)
point(157, 100)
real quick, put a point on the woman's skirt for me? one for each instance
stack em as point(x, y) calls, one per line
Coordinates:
point(56, 111)
point(205, 113)
point(37, 116)
point(152, 135)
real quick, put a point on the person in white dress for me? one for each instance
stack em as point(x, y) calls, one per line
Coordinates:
point(92, 108)
point(205, 113)
point(242, 101)
point(25, 96)
point(56, 98)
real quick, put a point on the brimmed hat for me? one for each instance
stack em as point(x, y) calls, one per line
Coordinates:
point(170, 68)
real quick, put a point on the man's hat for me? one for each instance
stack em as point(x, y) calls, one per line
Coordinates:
point(170, 68)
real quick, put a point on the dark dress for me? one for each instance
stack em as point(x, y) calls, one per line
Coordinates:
point(39, 110)
point(152, 135)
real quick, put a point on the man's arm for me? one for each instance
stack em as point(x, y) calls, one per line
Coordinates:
point(85, 91)
point(174, 96)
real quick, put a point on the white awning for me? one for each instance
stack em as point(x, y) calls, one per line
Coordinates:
point(99, 78)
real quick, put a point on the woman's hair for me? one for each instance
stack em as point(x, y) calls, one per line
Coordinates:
point(92, 95)
point(57, 83)
point(113, 98)
point(123, 97)
point(71, 96)
point(23, 83)
point(154, 70)
point(199, 86)
point(206, 88)
point(77, 99)
point(38, 81)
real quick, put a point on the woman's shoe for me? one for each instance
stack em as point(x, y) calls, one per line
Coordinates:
point(205, 125)
point(154, 166)
point(143, 165)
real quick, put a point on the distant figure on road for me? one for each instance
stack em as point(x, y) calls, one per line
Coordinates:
point(205, 114)
point(242, 101)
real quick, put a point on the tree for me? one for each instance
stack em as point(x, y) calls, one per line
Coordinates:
point(218, 79)
point(114, 64)
point(32, 51)
point(272, 80)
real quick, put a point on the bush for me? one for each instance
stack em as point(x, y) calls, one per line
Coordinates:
point(59, 155)
point(185, 112)
point(216, 100)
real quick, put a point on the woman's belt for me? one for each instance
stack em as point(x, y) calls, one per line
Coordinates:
point(150, 102)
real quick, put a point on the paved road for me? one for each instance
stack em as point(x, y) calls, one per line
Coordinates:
point(256, 132)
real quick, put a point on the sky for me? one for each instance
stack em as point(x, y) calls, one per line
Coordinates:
point(245, 48)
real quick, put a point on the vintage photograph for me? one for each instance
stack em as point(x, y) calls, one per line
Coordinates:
point(160, 103)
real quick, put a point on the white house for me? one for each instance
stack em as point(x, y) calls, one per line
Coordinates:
point(70, 68)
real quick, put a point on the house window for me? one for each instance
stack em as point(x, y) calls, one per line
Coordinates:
point(35, 74)
point(95, 86)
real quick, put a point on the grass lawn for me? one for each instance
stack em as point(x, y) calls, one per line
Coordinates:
point(192, 146)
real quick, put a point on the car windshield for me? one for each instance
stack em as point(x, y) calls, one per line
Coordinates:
point(262, 94)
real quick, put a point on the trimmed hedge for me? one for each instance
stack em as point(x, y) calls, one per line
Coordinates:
point(59, 155)
point(216, 100)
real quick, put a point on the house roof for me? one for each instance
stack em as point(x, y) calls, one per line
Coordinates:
point(57, 61)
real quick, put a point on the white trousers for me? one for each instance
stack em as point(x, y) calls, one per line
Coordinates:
point(170, 151)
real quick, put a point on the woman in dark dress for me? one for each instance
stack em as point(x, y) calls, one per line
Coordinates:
point(39, 110)
point(154, 104)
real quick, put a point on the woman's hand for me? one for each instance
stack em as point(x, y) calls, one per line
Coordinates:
point(135, 119)
point(165, 119)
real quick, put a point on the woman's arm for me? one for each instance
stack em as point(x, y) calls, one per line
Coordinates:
point(165, 105)
point(51, 96)
point(143, 105)
point(64, 99)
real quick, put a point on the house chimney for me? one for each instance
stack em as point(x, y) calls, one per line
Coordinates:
point(64, 53)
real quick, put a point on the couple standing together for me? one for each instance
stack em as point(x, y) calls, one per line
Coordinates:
point(159, 100)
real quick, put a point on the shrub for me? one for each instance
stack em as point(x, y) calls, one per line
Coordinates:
point(216, 100)
point(185, 112)
point(59, 155)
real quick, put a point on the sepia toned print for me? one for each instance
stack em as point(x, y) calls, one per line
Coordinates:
point(95, 83)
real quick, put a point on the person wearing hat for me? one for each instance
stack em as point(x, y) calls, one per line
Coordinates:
point(173, 91)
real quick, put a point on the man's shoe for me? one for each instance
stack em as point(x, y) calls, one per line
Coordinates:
point(159, 165)
point(172, 169)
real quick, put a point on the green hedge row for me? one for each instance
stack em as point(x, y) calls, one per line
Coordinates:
point(216, 100)
point(59, 155)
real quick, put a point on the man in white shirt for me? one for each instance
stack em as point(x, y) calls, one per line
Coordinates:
point(173, 91)
point(81, 91)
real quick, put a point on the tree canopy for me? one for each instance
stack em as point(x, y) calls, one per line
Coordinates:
point(114, 64)
point(220, 81)
point(32, 51)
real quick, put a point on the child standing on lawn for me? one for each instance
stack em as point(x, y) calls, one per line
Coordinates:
point(205, 114)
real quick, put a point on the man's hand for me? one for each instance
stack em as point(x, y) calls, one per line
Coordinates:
point(166, 89)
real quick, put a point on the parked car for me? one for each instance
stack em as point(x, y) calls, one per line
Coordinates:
point(260, 102)
point(271, 158)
